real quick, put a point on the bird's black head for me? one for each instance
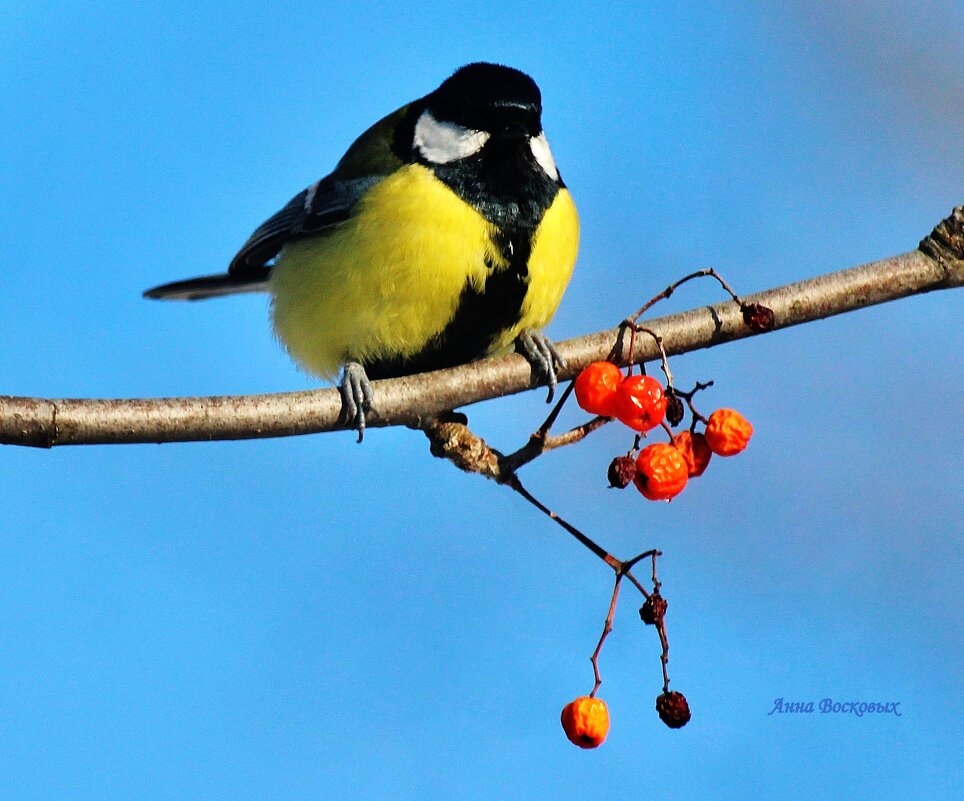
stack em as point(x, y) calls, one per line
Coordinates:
point(489, 97)
point(481, 134)
point(485, 114)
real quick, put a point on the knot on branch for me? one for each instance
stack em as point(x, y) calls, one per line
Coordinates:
point(455, 442)
point(946, 242)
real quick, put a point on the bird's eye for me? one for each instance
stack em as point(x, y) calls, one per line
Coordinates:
point(514, 119)
point(442, 142)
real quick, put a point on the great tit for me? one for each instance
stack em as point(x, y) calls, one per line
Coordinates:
point(444, 234)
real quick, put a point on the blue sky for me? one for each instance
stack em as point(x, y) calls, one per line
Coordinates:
point(306, 618)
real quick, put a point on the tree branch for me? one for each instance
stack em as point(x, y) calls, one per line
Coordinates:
point(414, 400)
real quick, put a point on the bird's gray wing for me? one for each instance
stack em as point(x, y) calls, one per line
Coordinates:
point(313, 210)
point(326, 203)
point(320, 206)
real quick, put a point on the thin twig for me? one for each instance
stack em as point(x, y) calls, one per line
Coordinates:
point(652, 553)
point(538, 445)
point(688, 397)
point(576, 434)
point(601, 552)
point(550, 420)
point(661, 629)
point(666, 293)
point(636, 583)
point(664, 362)
point(607, 628)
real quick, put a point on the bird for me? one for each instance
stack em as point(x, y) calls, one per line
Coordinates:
point(444, 234)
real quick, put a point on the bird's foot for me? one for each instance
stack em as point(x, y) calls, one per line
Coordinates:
point(357, 397)
point(543, 357)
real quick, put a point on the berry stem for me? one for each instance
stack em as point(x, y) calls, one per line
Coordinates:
point(507, 475)
point(688, 397)
point(661, 629)
point(601, 552)
point(631, 322)
point(554, 414)
point(607, 628)
point(636, 584)
point(621, 569)
point(664, 655)
point(706, 272)
point(576, 434)
point(630, 563)
point(540, 442)
point(662, 352)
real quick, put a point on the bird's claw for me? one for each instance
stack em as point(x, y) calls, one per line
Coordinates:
point(543, 357)
point(357, 397)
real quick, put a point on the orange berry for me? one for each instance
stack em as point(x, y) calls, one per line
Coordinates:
point(586, 721)
point(596, 388)
point(640, 402)
point(661, 471)
point(695, 450)
point(727, 432)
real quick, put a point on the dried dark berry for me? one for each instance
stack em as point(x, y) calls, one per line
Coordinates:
point(653, 610)
point(622, 471)
point(674, 409)
point(757, 316)
point(673, 709)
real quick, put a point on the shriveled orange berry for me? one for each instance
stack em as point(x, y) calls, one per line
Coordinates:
point(640, 402)
point(586, 721)
point(653, 609)
point(596, 388)
point(622, 471)
point(695, 450)
point(661, 471)
point(674, 409)
point(727, 432)
point(757, 317)
point(673, 709)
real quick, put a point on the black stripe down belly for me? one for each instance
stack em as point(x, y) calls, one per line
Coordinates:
point(512, 194)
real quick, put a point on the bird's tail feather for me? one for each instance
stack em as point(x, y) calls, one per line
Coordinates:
point(207, 286)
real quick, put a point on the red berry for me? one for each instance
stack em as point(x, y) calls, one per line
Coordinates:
point(586, 721)
point(695, 450)
point(596, 388)
point(727, 432)
point(673, 709)
point(661, 471)
point(640, 402)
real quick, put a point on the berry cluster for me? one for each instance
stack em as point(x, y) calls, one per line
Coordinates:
point(586, 719)
point(660, 471)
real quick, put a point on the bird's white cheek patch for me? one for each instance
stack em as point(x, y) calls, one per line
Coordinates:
point(542, 154)
point(442, 142)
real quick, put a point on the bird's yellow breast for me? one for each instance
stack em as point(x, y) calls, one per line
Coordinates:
point(386, 281)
